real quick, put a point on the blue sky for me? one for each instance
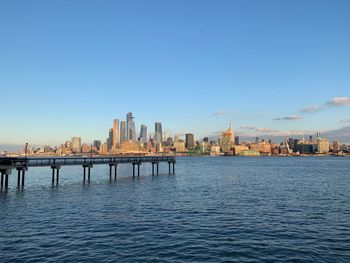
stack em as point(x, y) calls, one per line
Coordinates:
point(68, 68)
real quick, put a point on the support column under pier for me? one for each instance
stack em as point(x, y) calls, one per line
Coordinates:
point(55, 173)
point(111, 165)
point(88, 166)
point(21, 175)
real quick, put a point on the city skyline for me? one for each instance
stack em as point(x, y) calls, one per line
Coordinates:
point(272, 68)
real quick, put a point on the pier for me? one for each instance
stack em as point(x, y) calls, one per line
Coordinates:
point(21, 165)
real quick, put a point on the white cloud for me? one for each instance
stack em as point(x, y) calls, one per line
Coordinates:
point(247, 128)
point(345, 121)
point(312, 108)
point(221, 113)
point(337, 102)
point(288, 118)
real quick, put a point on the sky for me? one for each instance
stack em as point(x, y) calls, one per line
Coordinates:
point(68, 68)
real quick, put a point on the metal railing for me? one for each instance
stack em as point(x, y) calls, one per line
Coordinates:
point(52, 161)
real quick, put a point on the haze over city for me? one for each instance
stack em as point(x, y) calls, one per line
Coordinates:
point(272, 68)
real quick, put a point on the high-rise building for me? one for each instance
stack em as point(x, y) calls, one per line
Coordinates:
point(227, 140)
point(130, 127)
point(237, 140)
point(123, 132)
point(97, 144)
point(76, 145)
point(143, 133)
point(110, 140)
point(189, 141)
point(158, 134)
point(116, 136)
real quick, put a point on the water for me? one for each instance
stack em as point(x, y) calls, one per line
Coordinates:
point(215, 209)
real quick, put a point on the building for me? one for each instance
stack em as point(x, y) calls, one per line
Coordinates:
point(130, 128)
point(336, 146)
point(237, 142)
point(143, 134)
point(262, 147)
point(97, 145)
point(189, 141)
point(179, 145)
point(322, 145)
point(110, 140)
point(76, 144)
point(227, 140)
point(103, 149)
point(85, 148)
point(158, 134)
point(116, 136)
point(240, 148)
point(122, 131)
point(306, 147)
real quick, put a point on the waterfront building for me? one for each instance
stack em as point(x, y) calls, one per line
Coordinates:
point(240, 148)
point(116, 136)
point(322, 145)
point(306, 147)
point(189, 141)
point(262, 147)
point(123, 131)
point(143, 134)
point(76, 144)
point(130, 127)
point(249, 153)
point(158, 134)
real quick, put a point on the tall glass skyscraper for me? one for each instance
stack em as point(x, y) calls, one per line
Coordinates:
point(130, 127)
point(158, 134)
point(116, 137)
point(143, 133)
point(76, 144)
point(123, 131)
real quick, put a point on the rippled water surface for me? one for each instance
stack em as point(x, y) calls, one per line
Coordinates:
point(214, 209)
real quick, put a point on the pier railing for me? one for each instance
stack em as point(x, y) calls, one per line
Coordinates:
point(7, 164)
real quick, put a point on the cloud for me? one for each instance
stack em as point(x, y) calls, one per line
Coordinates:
point(345, 121)
point(221, 113)
point(338, 102)
point(288, 118)
point(335, 102)
point(312, 109)
point(266, 130)
point(247, 128)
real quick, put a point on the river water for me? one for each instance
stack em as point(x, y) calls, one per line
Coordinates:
point(214, 209)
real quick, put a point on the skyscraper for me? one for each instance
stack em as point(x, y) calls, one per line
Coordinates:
point(227, 140)
point(143, 133)
point(110, 140)
point(76, 145)
point(130, 127)
point(158, 135)
point(97, 144)
point(237, 140)
point(123, 131)
point(189, 141)
point(115, 141)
